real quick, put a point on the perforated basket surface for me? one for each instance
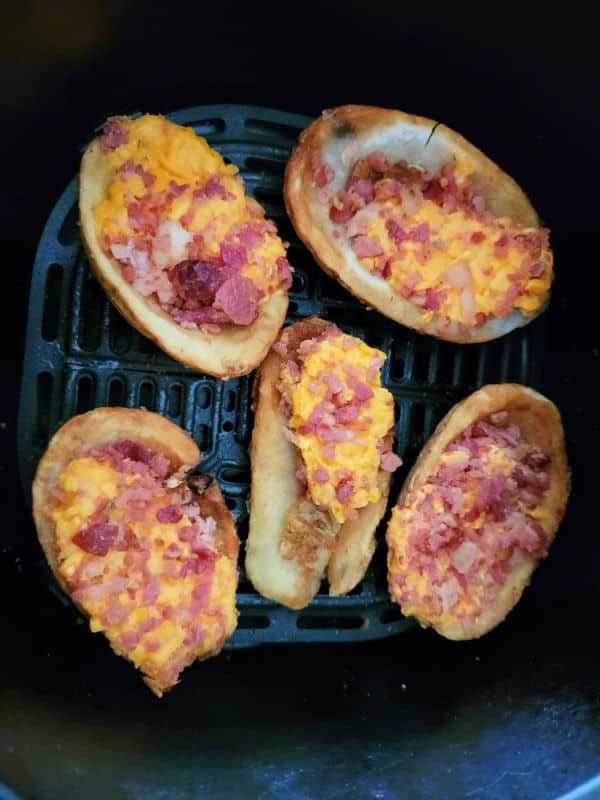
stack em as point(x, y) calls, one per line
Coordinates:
point(80, 354)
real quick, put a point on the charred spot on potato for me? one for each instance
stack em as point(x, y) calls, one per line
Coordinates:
point(308, 530)
point(344, 130)
point(200, 482)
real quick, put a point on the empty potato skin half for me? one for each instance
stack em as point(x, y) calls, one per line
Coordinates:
point(292, 545)
point(359, 130)
point(100, 428)
point(235, 351)
point(540, 426)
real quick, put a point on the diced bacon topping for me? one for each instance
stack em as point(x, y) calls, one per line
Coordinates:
point(234, 257)
point(238, 297)
point(169, 514)
point(96, 539)
point(320, 475)
point(198, 281)
point(367, 247)
point(345, 490)
point(341, 208)
point(361, 187)
point(323, 174)
point(433, 299)
point(390, 462)
point(395, 194)
point(115, 615)
point(114, 134)
point(377, 161)
point(396, 233)
point(133, 450)
point(501, 246)
point(285, 272)
point(362, 393)
point(345, 415)
point(483, 528)
point(419, 234)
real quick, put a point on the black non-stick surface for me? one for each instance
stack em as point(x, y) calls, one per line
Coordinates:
point(80, 354)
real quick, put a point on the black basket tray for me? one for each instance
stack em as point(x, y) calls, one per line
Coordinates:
point(80, 354)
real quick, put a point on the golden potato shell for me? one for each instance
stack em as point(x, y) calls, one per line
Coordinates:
point(399, 136)
point(105, 425)
point(236, 350)
point(345, 551)
point(539, 420)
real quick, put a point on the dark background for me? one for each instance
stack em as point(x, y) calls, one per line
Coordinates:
point(514, 715)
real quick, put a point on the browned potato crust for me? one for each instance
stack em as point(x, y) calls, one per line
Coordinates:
point(345, 552)
point(237, 350)
point(540, 422)
point(103, 426)
point(399, 136)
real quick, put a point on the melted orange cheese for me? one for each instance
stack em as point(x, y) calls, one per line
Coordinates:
point(173, 153)
point(86, 483)
point(451, 244)
point(359, 457)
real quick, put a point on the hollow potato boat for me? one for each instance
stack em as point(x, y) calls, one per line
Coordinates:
point(478, 510)
point(145, 546)
point(418, 223)
point(294, 542)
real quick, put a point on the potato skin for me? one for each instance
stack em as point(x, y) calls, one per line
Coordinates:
point(293, 582)
point(540, 421)
point(103, 426)
point(237, 350)
point(398, 135)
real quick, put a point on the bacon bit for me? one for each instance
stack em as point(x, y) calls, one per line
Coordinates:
point(280, 346)
point(285, 271)
point(169, 514)
point(214, 188)
point(294, 371)
point(173, 551)
point(409, 285)
point(395, 232)
point(344, 490)
point(234, 257)
point(390, 462)
point(320, 475)
point(367, 246)
point(322, 173)
point(345, 415)
point(433, 191)
point(133, 450)
point(362, 393)
point(324, 196)
point(387, 188)
point(238, 298)
point(341, 208)
point(501, 246)
point(420, 234)
point(150, 593)
point(198, 281)
point(115, 615)
point(363, 187)
point(504, 306)
point(433, 299)
point(477, 237)
point(114, 134)
point(377, 161)
point(96, 539)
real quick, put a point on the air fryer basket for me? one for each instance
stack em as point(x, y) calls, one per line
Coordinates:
point(80, 354)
